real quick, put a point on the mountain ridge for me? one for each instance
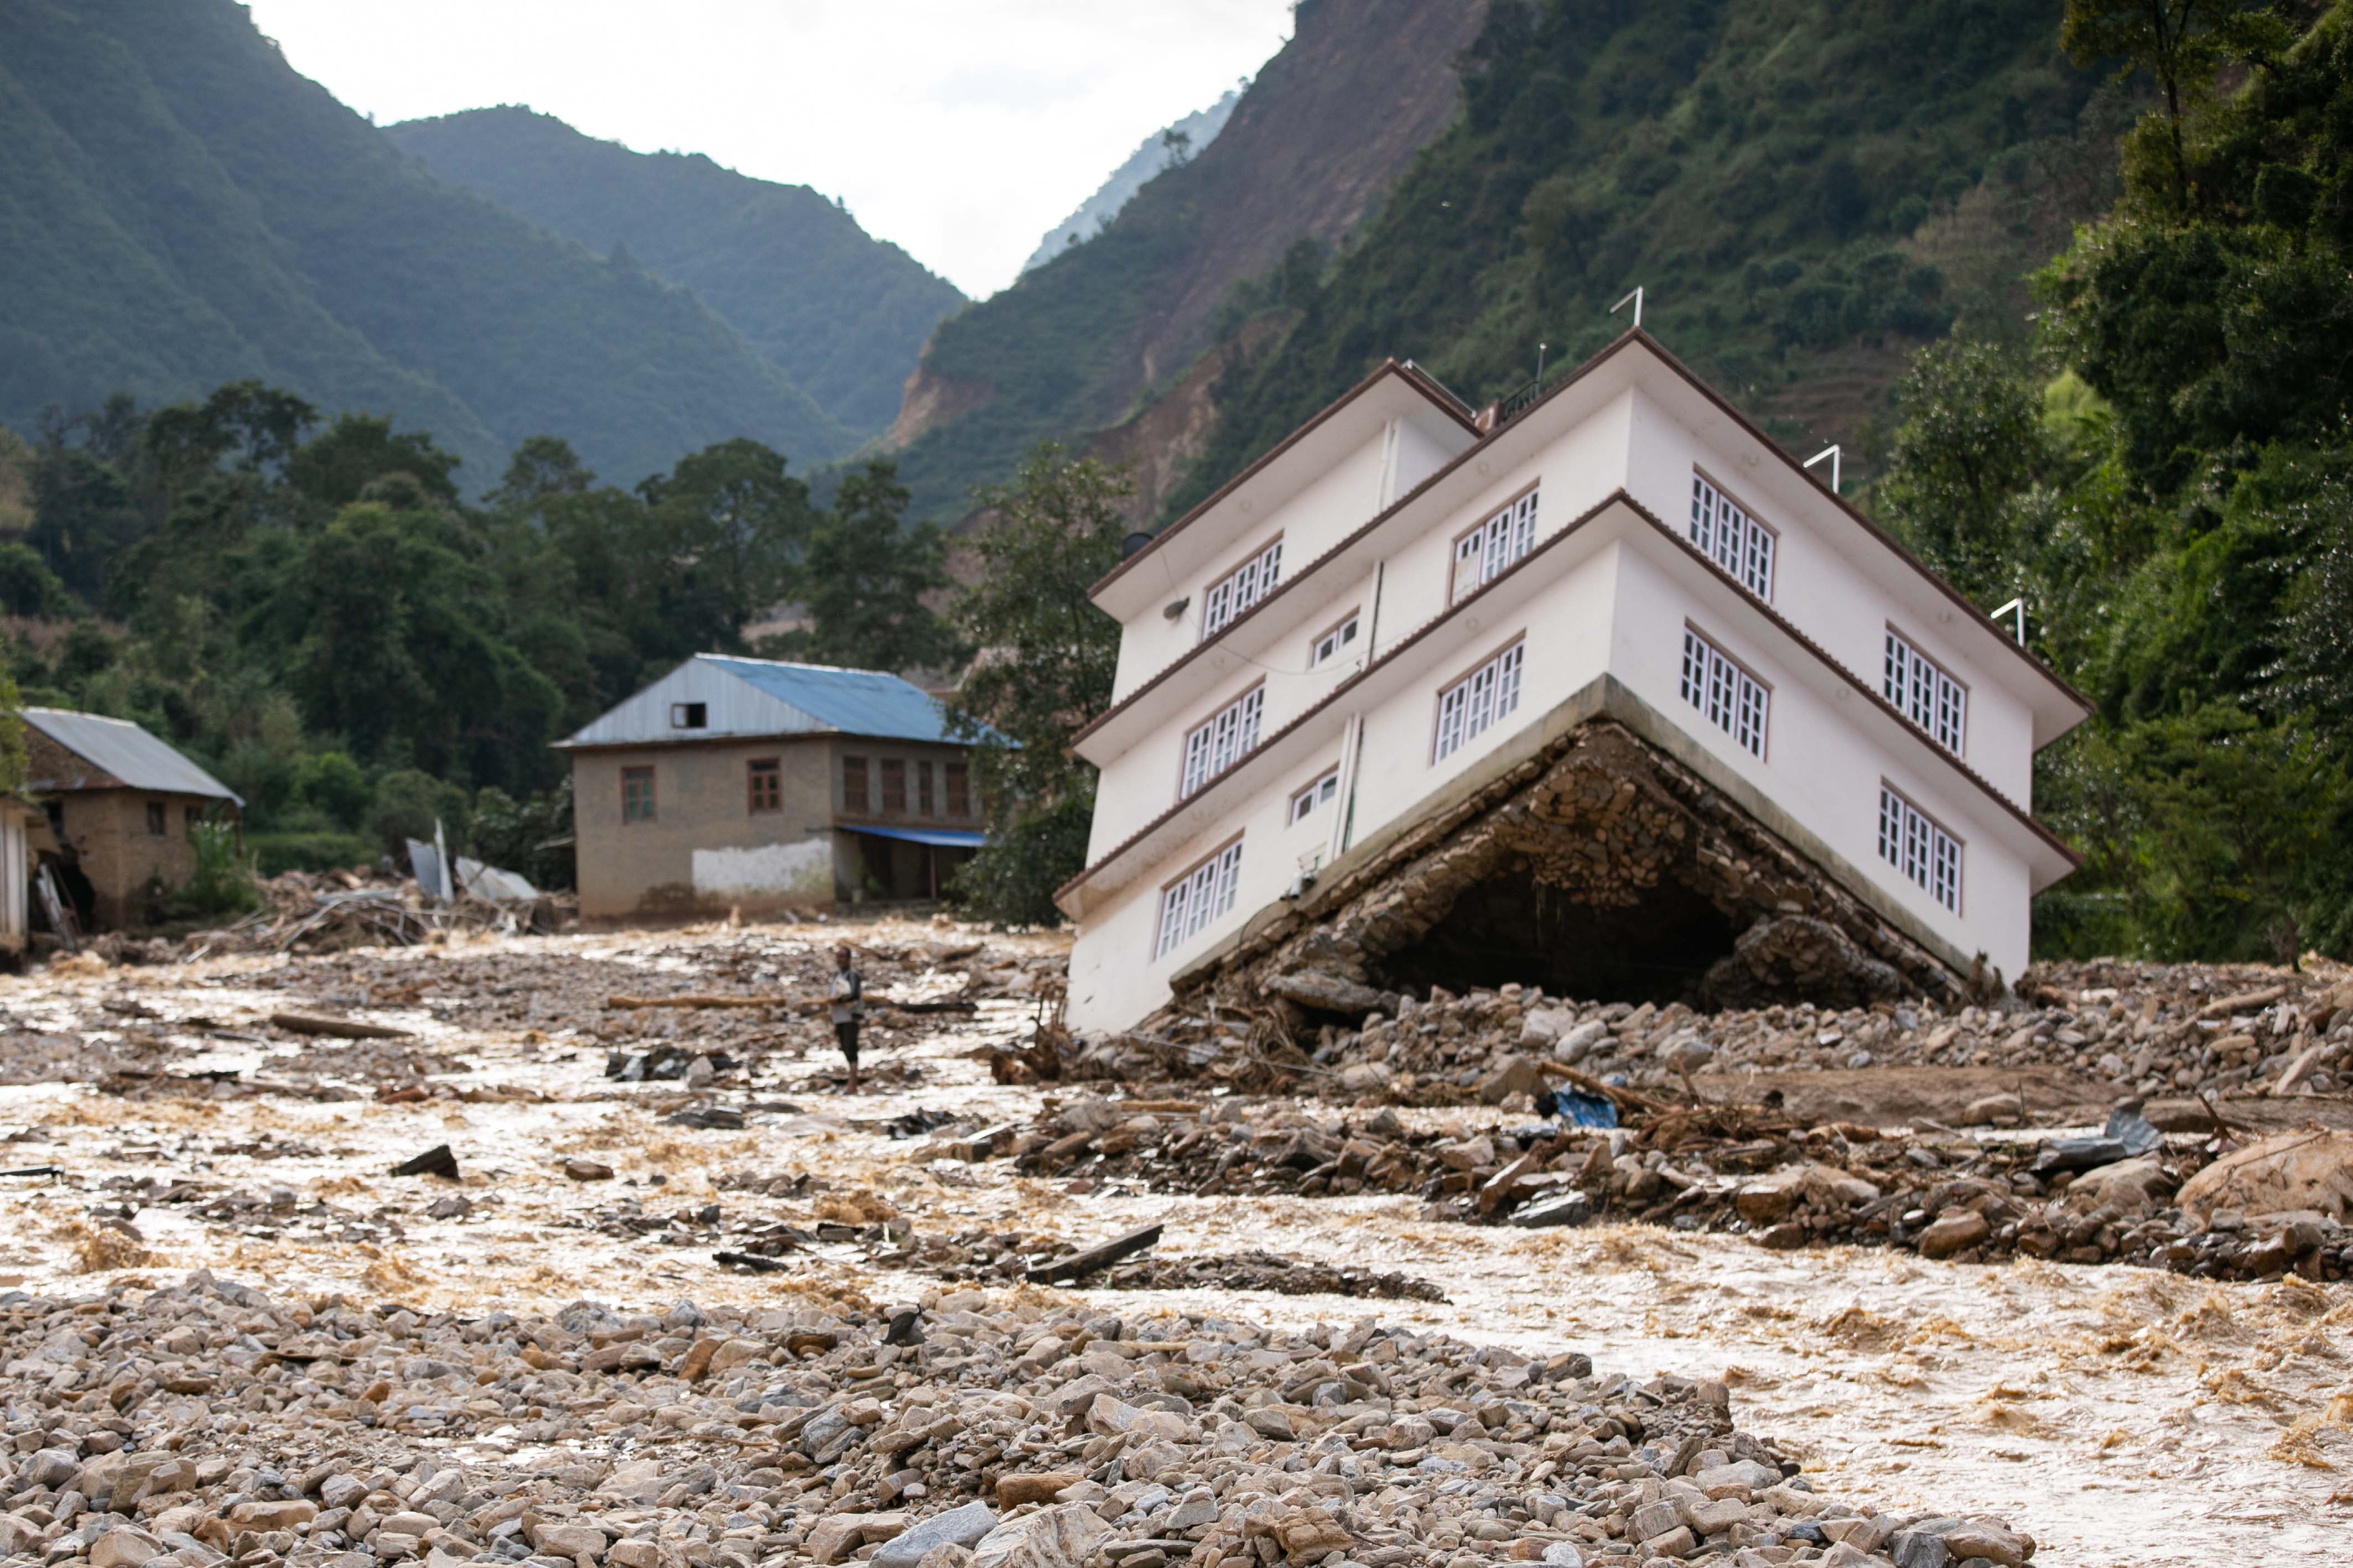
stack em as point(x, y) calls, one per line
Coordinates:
point(842, 313)
point(184, 209)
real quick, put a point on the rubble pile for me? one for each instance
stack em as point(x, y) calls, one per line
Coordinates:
point(2129, 1029)
point(1600, 854)
point(334, 911)
point(208, 1424)
point(1944, 1194)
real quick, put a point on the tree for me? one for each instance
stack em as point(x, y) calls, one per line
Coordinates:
point(334, 468)
point(725, 531)
point(1043, 672)
point(542, 467)
point(2182, 44)
point(1971, 441)
point(260, 424)
point(864, 577)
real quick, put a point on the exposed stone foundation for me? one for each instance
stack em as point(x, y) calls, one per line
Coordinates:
point(1601, 867)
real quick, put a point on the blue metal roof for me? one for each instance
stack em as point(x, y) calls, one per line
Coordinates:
point(943, 837)
point(854, 701)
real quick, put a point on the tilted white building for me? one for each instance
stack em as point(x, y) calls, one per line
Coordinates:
point(1403, 597)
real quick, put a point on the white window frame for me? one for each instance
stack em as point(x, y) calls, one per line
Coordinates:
point(1304, 802)
point(1724, 690)
point(1729, 534)
point(1204, 893)
point(1918, 846)
point(1481, 553)
point(1219, 741)
point(1335, 638)
point(1241, 588)
point(1470, 705)
point(1925, 692)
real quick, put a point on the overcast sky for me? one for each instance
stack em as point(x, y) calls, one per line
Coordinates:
point(959, 128)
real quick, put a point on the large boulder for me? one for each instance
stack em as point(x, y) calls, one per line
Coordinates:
point(2309, 1170)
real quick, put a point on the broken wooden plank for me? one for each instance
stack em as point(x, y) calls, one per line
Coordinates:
point(700, 999)
point(1077, 1264)
point(753, 1261)
point(341, 1028)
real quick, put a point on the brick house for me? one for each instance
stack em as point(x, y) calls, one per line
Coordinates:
point(767, 787)
point(123, 808)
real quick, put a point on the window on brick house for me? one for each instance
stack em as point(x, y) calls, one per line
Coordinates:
point(853, 786)
point(959, 789)
point(159, 818)
point(895, 788)
point(923, 789)
point(765, 784)
point(637, 794)
point(192, 816)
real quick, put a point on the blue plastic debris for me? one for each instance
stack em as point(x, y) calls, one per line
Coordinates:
point(1576, 1109)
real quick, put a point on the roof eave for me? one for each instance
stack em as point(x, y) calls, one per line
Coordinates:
point(1411, 374)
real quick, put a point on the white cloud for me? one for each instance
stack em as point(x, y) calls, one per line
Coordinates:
point(958, 130)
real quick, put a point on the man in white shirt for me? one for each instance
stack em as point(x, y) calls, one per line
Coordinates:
point(848, 999)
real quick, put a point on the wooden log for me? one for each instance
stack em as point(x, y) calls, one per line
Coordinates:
point(341, 1028)
point(703, 999)
point(1102, 1256)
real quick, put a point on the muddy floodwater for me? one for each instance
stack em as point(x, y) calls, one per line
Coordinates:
point(2119, 1414)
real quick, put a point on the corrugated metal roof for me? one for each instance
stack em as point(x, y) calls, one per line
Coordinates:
point(854, 701)
point(759, 697)
point(120, 748)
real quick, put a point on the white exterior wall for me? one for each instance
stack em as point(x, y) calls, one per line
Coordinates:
point(1613, 602)
point(1826, 750)
point(1843, 600)
point(1611, 605)
point(1572, 473)
point(1311, 522)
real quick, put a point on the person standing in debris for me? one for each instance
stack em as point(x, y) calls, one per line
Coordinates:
point(849, 1007)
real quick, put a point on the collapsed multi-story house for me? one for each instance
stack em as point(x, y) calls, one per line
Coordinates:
point(1597, 690)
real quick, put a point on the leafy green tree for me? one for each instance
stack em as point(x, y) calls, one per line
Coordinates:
point(1971, 443)
point(335, 468)
point(2182, 45)
point(27, 586)
point(1043, 672)
point(544, 466)
point(261, 425)
point(865, 576)
point(335, 786)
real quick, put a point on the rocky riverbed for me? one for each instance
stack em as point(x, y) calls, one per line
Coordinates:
point(233, 1336)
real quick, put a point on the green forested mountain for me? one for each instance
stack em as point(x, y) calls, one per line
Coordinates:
point(1803, 190)
point(843, 314)
point(178, 208)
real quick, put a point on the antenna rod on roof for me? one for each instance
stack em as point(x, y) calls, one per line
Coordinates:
point(1832, 452)
point(1637, 297)
point(2018, 605)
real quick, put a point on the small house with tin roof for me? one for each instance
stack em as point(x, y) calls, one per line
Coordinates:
point(123, 808)
point(764, 787)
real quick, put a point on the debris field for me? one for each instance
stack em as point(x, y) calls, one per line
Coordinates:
point(569, 1250)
